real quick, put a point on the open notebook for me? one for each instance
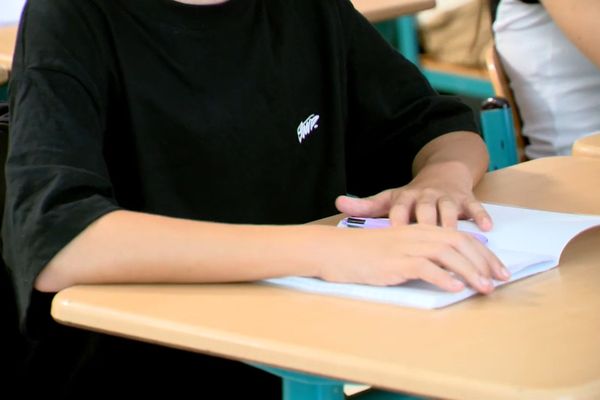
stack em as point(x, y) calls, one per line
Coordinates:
point(527, 241)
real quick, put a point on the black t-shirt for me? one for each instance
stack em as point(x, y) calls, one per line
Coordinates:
point(251, 111)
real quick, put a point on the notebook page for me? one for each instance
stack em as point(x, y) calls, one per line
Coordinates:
point(527, 241)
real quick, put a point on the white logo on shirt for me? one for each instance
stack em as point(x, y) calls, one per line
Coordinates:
point(307, 126)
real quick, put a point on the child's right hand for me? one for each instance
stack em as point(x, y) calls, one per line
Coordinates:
point(391, 256)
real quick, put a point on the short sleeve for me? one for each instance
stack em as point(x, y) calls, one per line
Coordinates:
point(56, 178)
point(393, 110)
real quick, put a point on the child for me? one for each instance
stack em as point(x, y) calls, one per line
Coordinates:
point(171, 141)
point(550, 54)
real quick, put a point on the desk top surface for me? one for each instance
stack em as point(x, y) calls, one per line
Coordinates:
point(3, 75)
point(8, 38)
point(535, 338)
point(380, 10)
point(588, 146)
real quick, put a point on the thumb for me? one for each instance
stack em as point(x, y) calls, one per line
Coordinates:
point(374, 206)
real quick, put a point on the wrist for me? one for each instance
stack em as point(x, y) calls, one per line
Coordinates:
point(291, 250)
point(445, 172)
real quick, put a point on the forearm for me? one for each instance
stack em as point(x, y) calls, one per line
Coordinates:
point(129, 247)
point(578, 19)
point(456, 155)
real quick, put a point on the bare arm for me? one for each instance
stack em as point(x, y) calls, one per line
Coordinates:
point(466, 149)
point(129, 247)
point(125, 246)
point(579, 20)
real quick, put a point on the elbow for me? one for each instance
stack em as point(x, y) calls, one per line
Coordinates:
point(51, 279)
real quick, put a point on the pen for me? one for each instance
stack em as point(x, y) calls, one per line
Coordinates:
point(356, 222)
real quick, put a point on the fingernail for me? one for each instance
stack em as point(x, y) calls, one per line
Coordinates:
point(505, 273)
point(456, 284)
point(486, 223)
point(485, 282)
point(351, 195)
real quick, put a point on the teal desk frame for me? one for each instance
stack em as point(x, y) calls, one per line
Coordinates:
point(402, 34)
point(3, 92)
point(499, 134)
point(300, 386)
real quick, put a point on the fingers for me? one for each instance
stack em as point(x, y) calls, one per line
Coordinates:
point(443, 257)
point(431, 210)
point(448, 212)
point(431, 206)
point(470, 267)
point(480, 216)
point(496, 268)
point(425, 207)
point(462, 255)
point(432, 273)
point(444, 211)
point(473, 261)
point(408, 205)
point(400, 213)
point(373, 206)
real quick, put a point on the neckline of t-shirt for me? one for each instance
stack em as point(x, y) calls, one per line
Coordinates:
point(187, 9)
point(191, 11)
point(201, 17)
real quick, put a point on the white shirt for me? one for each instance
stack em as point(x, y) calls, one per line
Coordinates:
point(10, 11)
point(556, 87)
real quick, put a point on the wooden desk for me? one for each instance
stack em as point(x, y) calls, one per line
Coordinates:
point(538, 338)
point(3, 75)
point(8, 38)
point(381, 10)
point(588, 146)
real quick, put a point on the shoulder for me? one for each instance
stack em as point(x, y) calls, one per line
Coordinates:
point(64, 8)
point(57, 19)
point(62, 35)
point(62, 19)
